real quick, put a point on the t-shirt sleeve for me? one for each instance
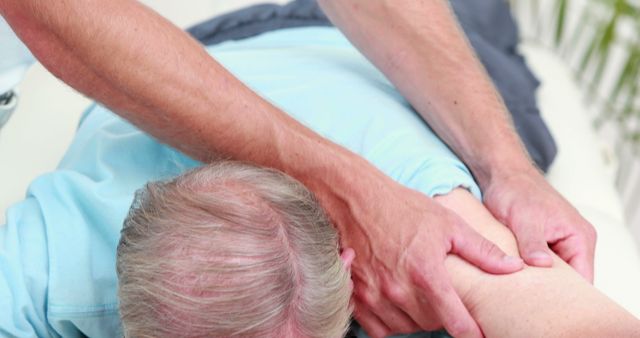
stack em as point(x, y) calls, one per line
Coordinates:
point(24, 273)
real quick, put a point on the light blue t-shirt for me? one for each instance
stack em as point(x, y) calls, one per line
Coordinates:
point(57, 250)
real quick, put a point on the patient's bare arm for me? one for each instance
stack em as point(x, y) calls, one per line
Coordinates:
point(535, 302)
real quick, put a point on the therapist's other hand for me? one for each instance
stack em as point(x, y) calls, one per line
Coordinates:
point(542, 220)
point(402, 238)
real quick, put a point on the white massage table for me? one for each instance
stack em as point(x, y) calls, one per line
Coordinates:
point(39, 132)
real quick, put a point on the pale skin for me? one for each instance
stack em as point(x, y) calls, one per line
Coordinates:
point(534, 302)
point(116, 52)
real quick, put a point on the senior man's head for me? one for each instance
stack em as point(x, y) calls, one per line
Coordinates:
point(231, 250)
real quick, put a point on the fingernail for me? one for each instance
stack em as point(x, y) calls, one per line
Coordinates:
point(539, 255)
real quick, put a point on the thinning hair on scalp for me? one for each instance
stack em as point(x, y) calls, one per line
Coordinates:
point(231, 250)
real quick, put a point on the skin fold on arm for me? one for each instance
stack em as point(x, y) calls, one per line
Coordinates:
point(534, 302)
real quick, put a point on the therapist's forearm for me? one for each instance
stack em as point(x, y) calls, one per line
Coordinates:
point(130, 59)
point(152, 73)
point(420, 47)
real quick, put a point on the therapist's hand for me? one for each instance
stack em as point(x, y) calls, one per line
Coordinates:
point(542, 220)
point(402, 238)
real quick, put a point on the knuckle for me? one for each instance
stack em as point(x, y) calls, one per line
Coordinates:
point(423, 278)
point(460, 243)
point(397, 295)
point(368, 299)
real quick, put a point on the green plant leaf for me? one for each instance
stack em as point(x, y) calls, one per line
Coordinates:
point(588, 54)
point(628, 74)
point(561, 18)
point(578, 32)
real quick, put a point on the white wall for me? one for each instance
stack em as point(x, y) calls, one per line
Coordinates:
point(540, 29)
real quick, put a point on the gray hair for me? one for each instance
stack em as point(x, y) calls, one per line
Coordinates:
point(230, 250)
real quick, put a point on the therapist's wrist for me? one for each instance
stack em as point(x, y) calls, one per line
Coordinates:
point(341, 181)
point(501, 165)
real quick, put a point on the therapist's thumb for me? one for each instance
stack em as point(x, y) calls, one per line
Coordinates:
point(483, 253)
point(532, 244)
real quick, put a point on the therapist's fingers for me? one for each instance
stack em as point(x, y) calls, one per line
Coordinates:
point(579, 253)
point(532, 242)
point(479, 251)
point(373, 325)
point(392, 316)
point(412, 305)
point(438, 291)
